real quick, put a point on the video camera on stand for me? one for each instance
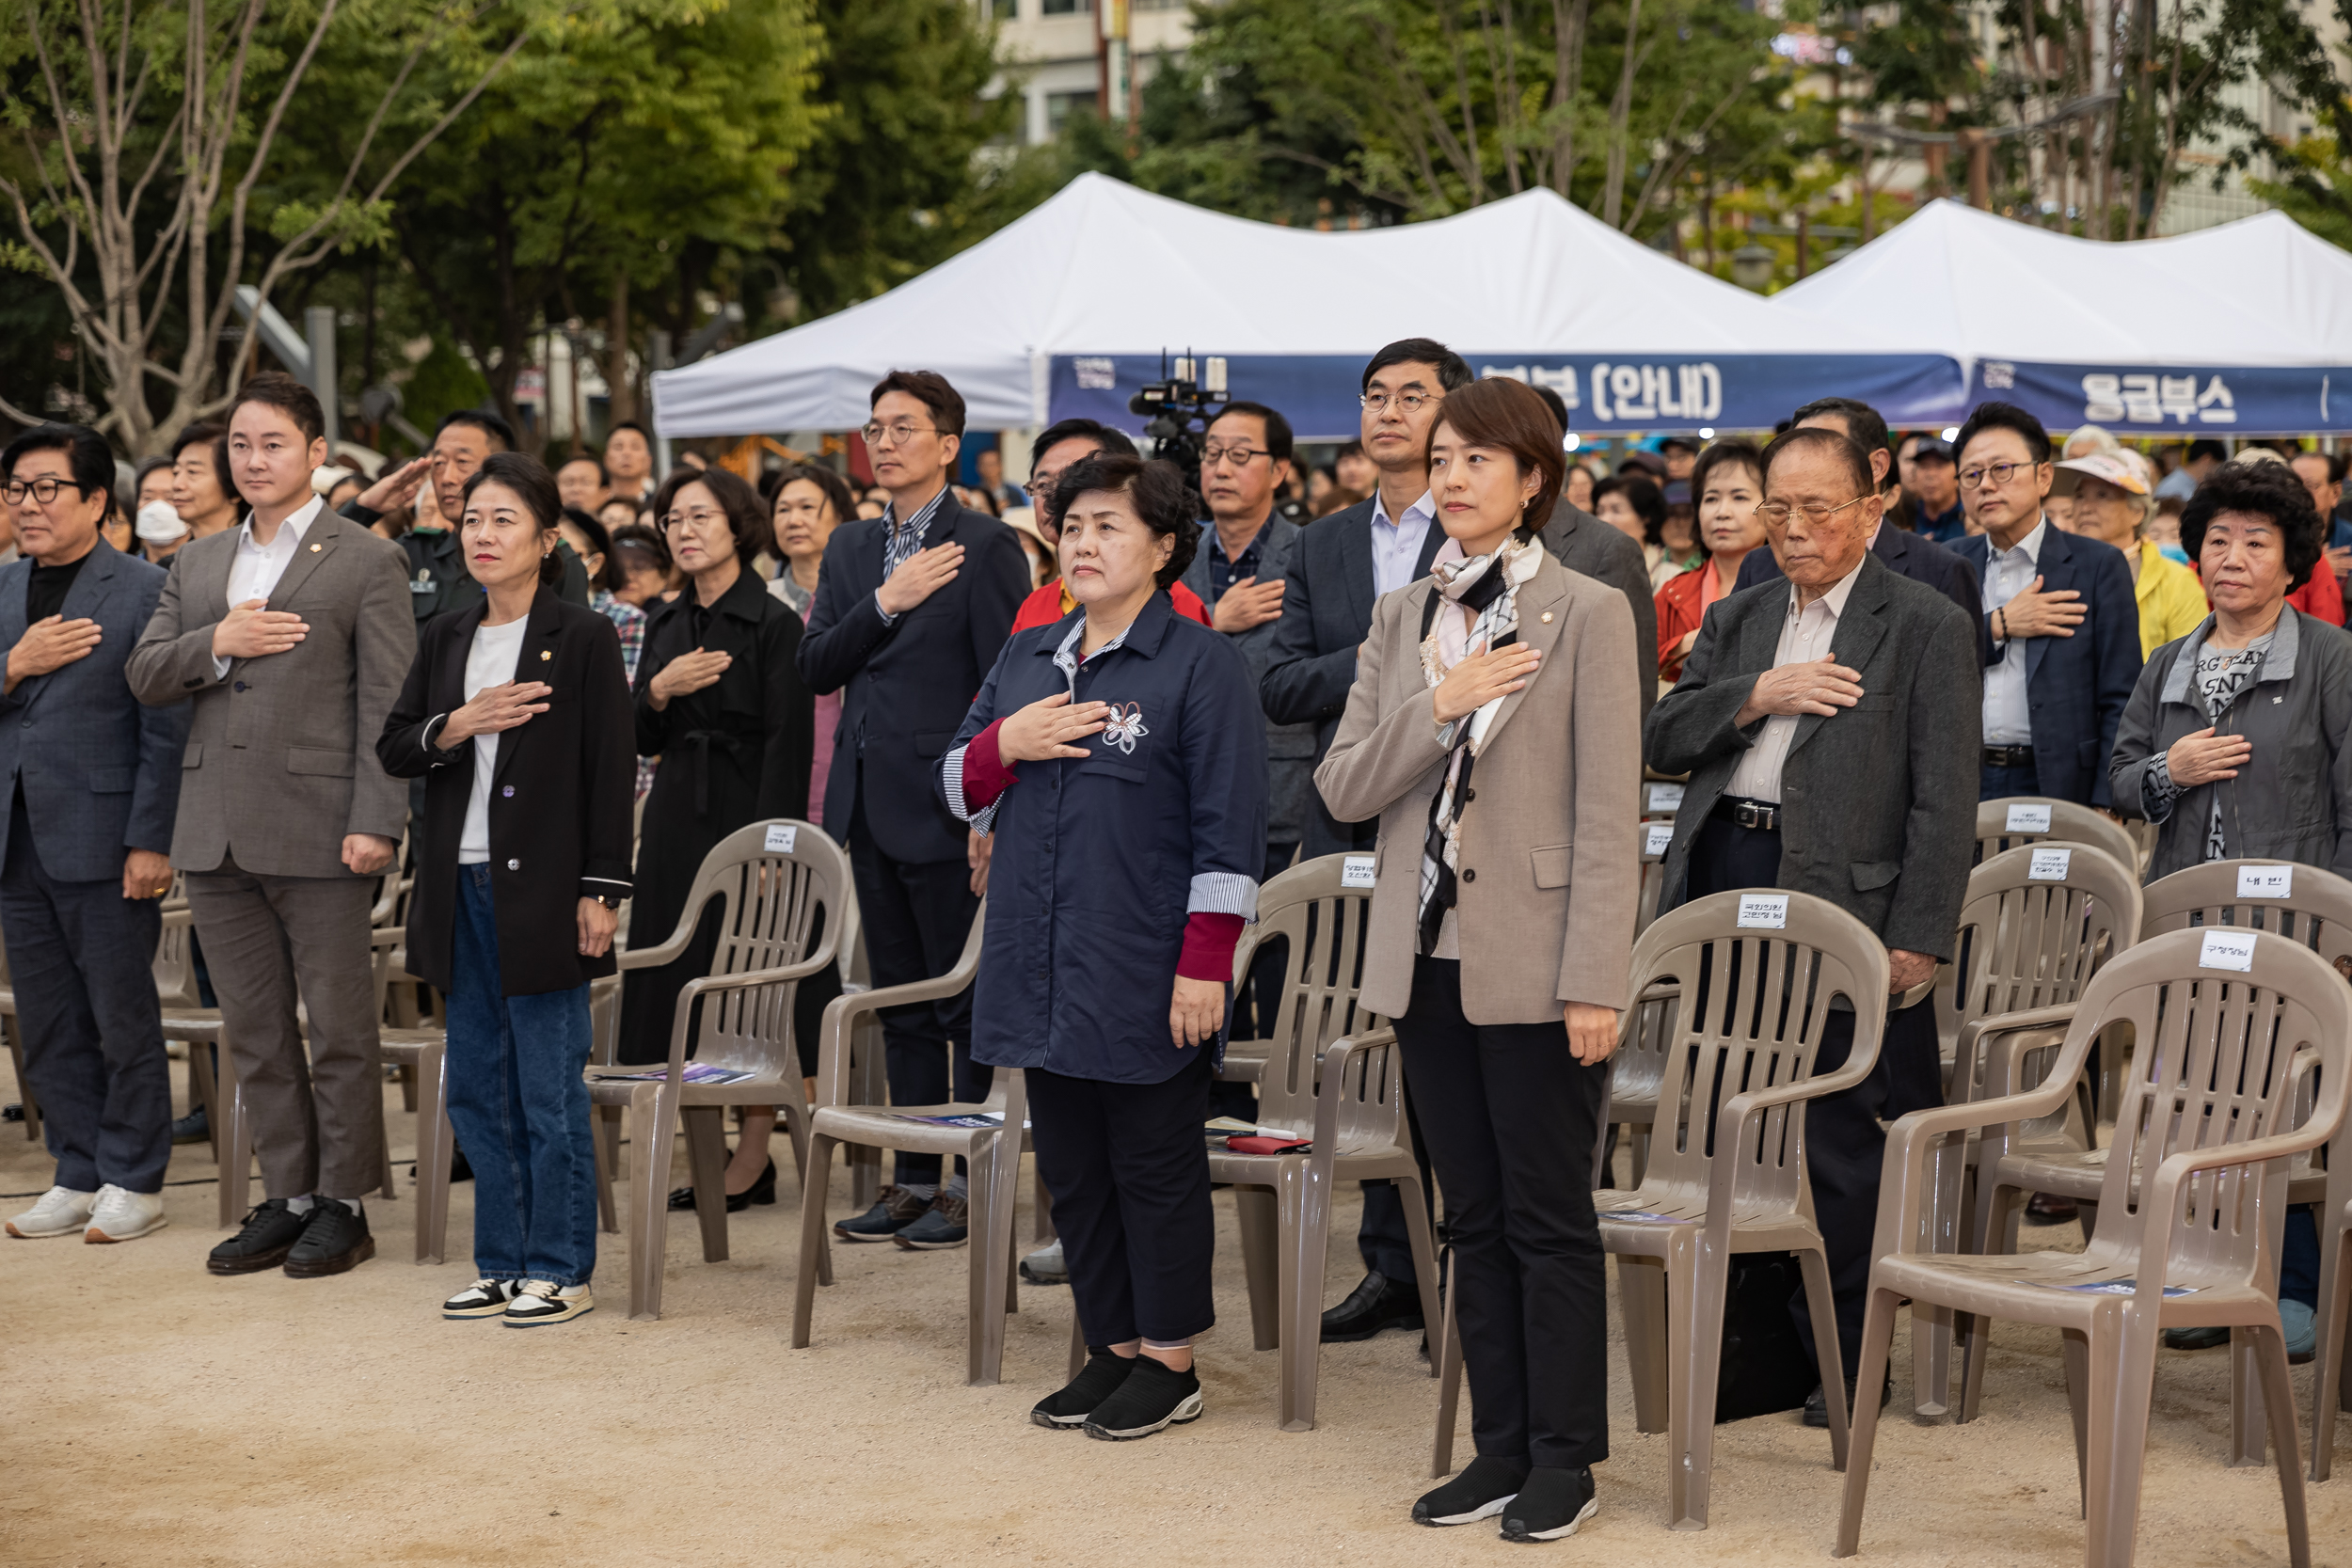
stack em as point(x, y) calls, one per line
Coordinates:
point(1182, 403)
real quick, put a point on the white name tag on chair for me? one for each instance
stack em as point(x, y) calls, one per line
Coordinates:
point(780, 838)
point(1665, 797)
point(2266, 881)
point(2049, 866)
point(1657, 837)
point(1764, 910)
point(1355, 871)
point(2028, 820)
point(2228, 950)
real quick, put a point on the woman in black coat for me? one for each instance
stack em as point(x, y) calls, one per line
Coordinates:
point(516, 714)
point(719, 701)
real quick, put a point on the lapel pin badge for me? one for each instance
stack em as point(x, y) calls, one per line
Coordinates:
point(1547, 617)
point(315, 549)
point(545, 654)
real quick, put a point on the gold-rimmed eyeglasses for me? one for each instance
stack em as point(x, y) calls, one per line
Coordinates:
point(1777, 513)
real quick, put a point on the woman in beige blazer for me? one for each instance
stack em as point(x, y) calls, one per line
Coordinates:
point(1495, 731)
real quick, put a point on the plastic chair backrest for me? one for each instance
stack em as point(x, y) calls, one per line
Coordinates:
point(1754, 1003)
point(2304, 903)
point(1646, 1040)
point(2005, 824)
point(1325, 924)
point(1657, 835)
point(770, 877)
point(175, 962)
point(2214, 1067)
point(2037, 924)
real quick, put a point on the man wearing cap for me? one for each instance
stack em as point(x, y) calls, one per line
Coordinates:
point(1642, 464)
point(1929, 480)
point(2113, 500)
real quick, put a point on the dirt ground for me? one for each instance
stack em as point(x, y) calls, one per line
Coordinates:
point(156, 1415)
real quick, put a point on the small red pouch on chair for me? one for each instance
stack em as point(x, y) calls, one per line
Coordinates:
point(1267, 1146)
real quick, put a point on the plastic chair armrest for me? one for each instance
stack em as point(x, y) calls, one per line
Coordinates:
point(832, 1060)
point(2007, 1048)
point(1330, 1079)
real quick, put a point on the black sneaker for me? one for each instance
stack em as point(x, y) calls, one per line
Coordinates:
point(1150, 1397)
point(892, 1213)
point(1551, 1504)
point(269, 1233)
point(334, 1241)
point(946, 1223)
point(194, 1127)
point(1096, 1381)
point(1483, 1489)
point(1817, 1402)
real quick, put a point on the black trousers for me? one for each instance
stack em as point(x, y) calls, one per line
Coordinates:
point(1129, 1171)
point(917, 914)
point(80, 957)
point(1510, 1118)
point(1845, 1147)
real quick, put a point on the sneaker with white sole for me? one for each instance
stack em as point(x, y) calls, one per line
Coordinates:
point(540, 1301)
point(483, 1298)
point(122, 1216)
point(61, 1211)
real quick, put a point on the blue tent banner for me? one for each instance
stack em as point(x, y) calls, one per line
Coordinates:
point(1604, 393)
point(2179, 401)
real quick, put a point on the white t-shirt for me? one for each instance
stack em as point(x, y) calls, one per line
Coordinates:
point(490, 662)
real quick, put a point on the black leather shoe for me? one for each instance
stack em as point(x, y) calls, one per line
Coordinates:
point(1817, 1402)
point(269, 1233)
point(762, 1191)
point(334, 1240)
point(1378, 1303)
point(194, 1127)
point(2052, 1208)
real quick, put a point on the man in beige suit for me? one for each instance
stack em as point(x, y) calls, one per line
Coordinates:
point(289, 636)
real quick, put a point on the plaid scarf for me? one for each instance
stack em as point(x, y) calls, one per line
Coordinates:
point(1487, 586)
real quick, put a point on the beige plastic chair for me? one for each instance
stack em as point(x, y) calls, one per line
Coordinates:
point(1332, 1075)
point(2335, 1307)
point(2204, 1116)
point(1727, 1165)
point(2008, 823)
point(2038, 922)
point(421, 1052)
point(1635, 1073)
point(767, 899)
point(994, 1160)
point(11, 1028)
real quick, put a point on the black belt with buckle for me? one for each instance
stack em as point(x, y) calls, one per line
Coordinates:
point(1762, 814)
point(2009, 756)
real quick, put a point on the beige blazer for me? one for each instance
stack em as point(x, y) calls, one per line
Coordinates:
point(1550, 861)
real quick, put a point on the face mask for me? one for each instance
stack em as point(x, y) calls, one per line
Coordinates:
point(2173, 552)
point(158, 524)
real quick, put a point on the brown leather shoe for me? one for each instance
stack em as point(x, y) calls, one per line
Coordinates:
point(892, 1213)
point(2051, 1209)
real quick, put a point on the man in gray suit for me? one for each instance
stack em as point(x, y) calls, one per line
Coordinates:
point(1828, 725)
point(290, 637)
point(93, 778)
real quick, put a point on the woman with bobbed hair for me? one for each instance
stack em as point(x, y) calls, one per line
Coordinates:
point(1115, 758)
point(1500, 934)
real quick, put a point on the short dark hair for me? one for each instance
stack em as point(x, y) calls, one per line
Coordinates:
point(2003, 416)
point(2269, 490)
point(1349, 448)
point(1558, 408)
point(643, 538)
point(1454, 371)
point(1685, 442)
point(1507, 416)
point(502, 435)
point(282, 391)
point(87, 457)
point(1647, 501)
point(1278, 429)
point(528, 479)
point(2214, 450)
point(1105, 437)
point(930, 389)
point(604, 475)
point(599, 540)
point(1863, 424)
point(747, 518)
point(1733, 452)
point(2336, 461)
point(643, 434)
point(836, 491)
point(1161, 498)
point(156, 465)
point(1810, 437)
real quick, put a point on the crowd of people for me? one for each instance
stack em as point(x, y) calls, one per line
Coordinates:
point(1115, 708)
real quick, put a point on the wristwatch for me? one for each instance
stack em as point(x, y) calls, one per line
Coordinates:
point(609, 901)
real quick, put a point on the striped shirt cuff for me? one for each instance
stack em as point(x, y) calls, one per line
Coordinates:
point(975, 778)
point(1224, 893)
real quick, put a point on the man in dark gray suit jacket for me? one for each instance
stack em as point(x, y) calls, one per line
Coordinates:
point(93, 781)
point(1828, 725)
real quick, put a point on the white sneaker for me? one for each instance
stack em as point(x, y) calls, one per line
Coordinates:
point(483, 1298)
point(541, 1300)
point(61, 1211)
point(123, 1215)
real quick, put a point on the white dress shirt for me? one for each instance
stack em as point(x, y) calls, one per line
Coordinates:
point(254, 570)
point(2008, 708)
point(1396, 542)
point(1805, 636)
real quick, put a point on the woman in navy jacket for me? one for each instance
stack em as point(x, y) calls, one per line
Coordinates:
point(1117, 760)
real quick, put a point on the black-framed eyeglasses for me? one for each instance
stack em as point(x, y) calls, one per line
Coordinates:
point(1996, 474)
point(43, 489)
point(1239, 456)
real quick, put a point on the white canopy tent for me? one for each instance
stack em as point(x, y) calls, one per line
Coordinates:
point(1069, 308)
point(2257, 314)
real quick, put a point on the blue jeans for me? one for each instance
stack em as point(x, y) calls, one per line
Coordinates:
point(2000, 783)
point(520, 1107)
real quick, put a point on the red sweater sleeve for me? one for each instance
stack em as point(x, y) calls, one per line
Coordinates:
point(1209, 942)
point(986, 775)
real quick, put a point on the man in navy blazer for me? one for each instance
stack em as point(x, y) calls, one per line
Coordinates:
point(2065, 627)
point(84, 844)
point(912, 610)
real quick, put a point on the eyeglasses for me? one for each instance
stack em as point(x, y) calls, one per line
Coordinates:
point(694, 519)
point(896, 434)
point(1406, 403)
point(43, 489)
point(1996, 474)
point(1240, 457)
point(1777, 513)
